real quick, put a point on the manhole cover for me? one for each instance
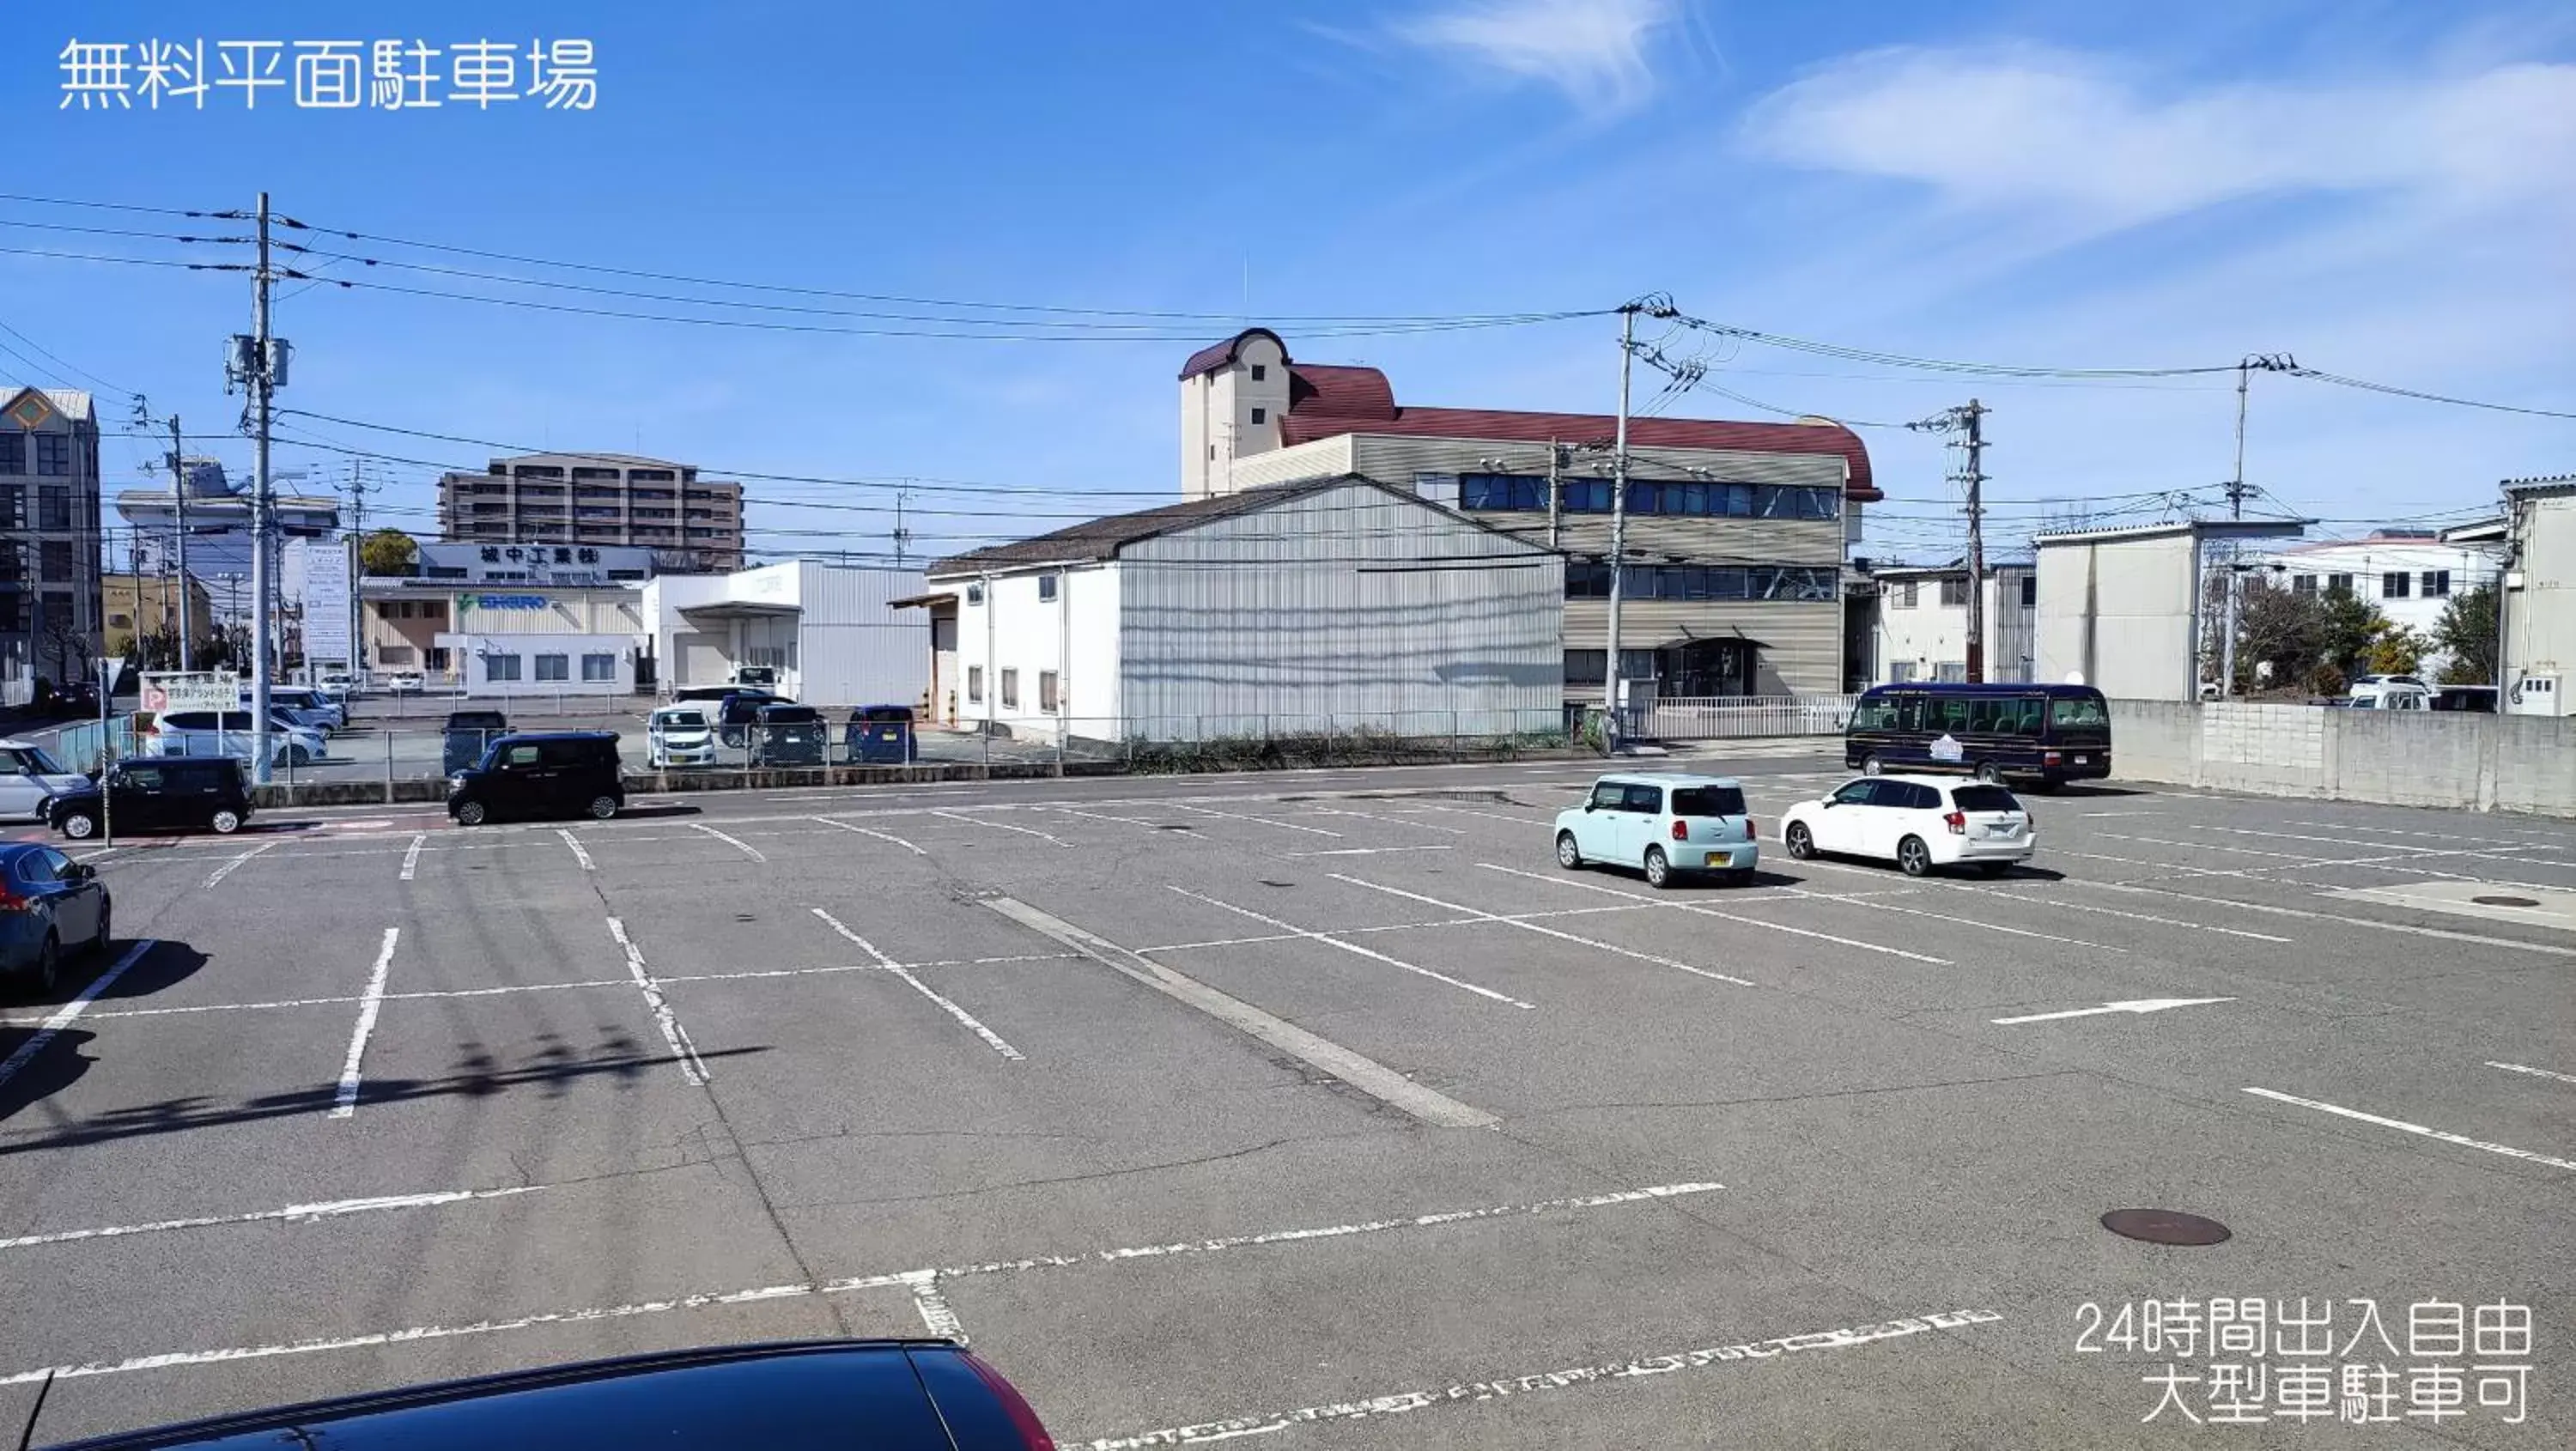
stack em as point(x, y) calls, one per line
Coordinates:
point(2164, 1226)
point(2506, 901)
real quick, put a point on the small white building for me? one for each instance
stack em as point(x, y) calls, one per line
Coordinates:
point(2121, 610)
point(2410, 575)
point(1328, 604)
point(2539, 602)
point(1919, 630)
point(831, 631)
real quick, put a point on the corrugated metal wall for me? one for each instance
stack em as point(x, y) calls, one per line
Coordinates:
point(1338, 608)
point(853, 647)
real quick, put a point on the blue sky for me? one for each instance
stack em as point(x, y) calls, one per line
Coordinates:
point(2384, 190)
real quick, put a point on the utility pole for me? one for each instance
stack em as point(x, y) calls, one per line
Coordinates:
point(179, 500)
point(255, 363)
point(2236, 492)
point(357, 538)
point(1970, 419)
point(902, 535)
point(1618, 527)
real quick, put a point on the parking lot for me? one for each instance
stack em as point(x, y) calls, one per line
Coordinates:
point(1319, 1104)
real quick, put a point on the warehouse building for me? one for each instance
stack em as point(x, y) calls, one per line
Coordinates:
point(830, 631)
point(1737, 532)
point(1327, 604)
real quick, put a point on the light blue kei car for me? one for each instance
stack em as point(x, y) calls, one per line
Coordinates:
point(1663, 825)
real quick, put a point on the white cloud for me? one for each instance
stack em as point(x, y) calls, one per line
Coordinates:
point(1595, 51)
point(2065, 135)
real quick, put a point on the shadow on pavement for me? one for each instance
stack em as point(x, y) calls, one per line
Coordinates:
point(166, 965)
point(475, 1074)
point(56, 1066)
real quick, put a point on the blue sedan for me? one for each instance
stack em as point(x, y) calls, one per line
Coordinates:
point(49, 905)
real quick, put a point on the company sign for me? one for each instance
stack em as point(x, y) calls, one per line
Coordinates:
point(166, 691)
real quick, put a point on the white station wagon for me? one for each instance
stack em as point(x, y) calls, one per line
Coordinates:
point(1918, 822)
point(1661, 825)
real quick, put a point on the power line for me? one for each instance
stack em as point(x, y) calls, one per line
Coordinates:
point(63, 362)
point(2392, 389)
point(55, 201)
point(1943, 365)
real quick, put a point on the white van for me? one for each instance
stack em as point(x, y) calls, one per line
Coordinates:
point(2390, 693)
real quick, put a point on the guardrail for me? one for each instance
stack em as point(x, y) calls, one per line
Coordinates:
point(1729, 717)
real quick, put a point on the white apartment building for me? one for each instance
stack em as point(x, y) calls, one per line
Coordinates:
point(2409, 574)
point(1919, 623)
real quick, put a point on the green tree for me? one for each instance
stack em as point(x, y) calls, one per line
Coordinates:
point(2353, 627)
point(2397, 651)
point(2466, 636)
point(2278, 627)
point(387, 552)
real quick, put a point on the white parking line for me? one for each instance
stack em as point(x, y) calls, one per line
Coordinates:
point(232, 863)
point(991, 1039)
point(1373, 850)
point(937, 1315)
point(69, 1013)
point(1880, 906)
point(863, 831)
point(291, 1214)
point(2394, 1123)
point(1350, 947)
point(1002, 826)
point(2370, 835)
point(1598, 946)
point(682, 1049)
point(2534, 1072)
point(2054, 904)
point(2343, 920)
point(580, 853)
point(1614, 1372)
point(411, 857)
point(1259, 820)
point(903, 1278)
point(1724, 916)
point(346, 1104)
point(736, 843)
point(1401, 818)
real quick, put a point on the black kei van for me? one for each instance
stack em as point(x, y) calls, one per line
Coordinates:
point(557, 773)
point(2048, 733)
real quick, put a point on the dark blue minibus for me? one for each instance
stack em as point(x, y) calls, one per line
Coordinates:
point(2050, 734)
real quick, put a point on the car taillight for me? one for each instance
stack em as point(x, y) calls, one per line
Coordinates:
point(1033, 1435)
point(11, 901)
point(1957, 821)
point(1752, 829)
point(2048, 758)
point(1681, 829)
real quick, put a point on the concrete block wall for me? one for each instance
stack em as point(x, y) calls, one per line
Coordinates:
point(2399, 758)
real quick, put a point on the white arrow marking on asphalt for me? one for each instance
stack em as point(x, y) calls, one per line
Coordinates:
point(2138, 1005)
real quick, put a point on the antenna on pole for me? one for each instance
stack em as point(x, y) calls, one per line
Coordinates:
point(902, 534)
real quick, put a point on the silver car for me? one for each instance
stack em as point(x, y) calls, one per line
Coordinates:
point(28, 775)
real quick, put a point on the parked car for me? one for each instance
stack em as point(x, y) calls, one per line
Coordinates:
point(337, 684)
point(228, 733)
point(467, 735)
point(880, 735)
point(27, 776)
point(79, 699)
point(1917, 822)
point(2053, 733)
point(679, 735)
point(739, 710)
point(556, 773)
point(790, 735)
point(708, 695)
point(406, 682)
point(199, 793)
point(1662, 824)
point(2480, 699)
point(333, 710)
point(296, 712)
point(2388, 692)
point(888, 1395)
point(49, 905)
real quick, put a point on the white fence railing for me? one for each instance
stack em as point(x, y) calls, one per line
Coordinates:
point(1725, 717)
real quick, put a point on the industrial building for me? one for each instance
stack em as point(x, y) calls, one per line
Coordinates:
point(1919, 622)
point(2539, 604)
point(49, 538)
point(597, 499)
point(1324, 604)
point(830, 631)
point(1737, 532)
point(2120, 609)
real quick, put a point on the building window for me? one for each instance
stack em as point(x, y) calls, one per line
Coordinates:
point(2393, 585)
point(975, 684)
point(495, 667)
point(13, 452)
point(2303, 584)
point(1046, 691)
point(120, 622)
point(1260, 415)
point(599, 667)
point(1587, 667)
point(2030, 591)
point(437, 658)
point(1259, 372)
point(1954, 593)
point(2338, 584)
point(401, 655)
point(53, 506)
point(1672, 499)
point(1046, 587)
point(1954, 672)
point(539, 471)
point(1591, 581)
point(54, 561)
point(1010, 687)
point(53, 453)
point(1900, 672)
point(1901, 597)
point(554, 667)
point(2437, 583)
point(433, 609)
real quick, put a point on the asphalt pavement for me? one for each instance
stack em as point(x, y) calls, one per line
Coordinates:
point(1323, 1105)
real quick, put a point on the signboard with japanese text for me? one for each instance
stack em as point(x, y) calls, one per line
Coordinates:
point(326, 604)
point(167, 690)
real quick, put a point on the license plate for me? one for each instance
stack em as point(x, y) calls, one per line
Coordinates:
point(2003, 830)
point(2084, 760)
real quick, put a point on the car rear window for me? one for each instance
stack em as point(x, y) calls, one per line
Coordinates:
point(1708, 801)
point(886, 714)
point(790, 715)
point(1984, 798)
point(478, 720)
point(2077, 712)
point(686, 720)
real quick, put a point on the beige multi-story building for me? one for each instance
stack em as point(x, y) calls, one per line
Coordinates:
point(49, 538)
point(146, 604)
point(690, 524)
point(1736, 531)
